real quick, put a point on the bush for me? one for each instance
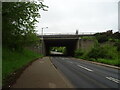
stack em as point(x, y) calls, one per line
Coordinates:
point(117, 44)
point(97, 52)
point(116, 35)
point(78, 53)
point(112, 52)
point(101, 37)
point(107, 51)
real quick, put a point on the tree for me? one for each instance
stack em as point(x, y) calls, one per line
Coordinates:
point(103, 37)
point(18, 23)
point(116, 35)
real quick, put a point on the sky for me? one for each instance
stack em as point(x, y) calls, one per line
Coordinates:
point(67, 16)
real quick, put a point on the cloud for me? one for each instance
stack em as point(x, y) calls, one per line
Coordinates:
point(85, 15)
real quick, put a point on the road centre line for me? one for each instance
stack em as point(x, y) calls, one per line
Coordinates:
point(113, 79)
point(85, 68)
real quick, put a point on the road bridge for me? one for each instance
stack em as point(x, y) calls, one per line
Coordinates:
point(71, 42)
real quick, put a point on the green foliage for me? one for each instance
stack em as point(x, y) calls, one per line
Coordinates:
point(59, 49)
point(117, 44)
point(103, 37)
point(106, 51)
point(18, 23)
point(103, 51)
point(88, 37)
point(97, 52)
point(13, 60)
point(116, 35)
point(107, 36)
point(105, 54)
point(78, 53)
point(115, 62)
point(112, 52)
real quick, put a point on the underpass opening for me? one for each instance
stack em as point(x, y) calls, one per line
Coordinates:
point(57, 51)
point(69, 44)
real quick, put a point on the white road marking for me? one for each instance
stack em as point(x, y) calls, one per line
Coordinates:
point(85, 68)
point(113, 79)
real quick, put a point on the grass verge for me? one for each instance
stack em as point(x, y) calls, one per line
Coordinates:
point(106, 53)
point(14, 60)
point(114, 62)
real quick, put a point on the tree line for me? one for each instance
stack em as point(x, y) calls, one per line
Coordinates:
point(109, 36)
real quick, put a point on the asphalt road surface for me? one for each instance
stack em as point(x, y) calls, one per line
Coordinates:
point(84, 74)
point(56, 53)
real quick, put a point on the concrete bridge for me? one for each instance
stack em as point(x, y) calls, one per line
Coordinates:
point(71, 42)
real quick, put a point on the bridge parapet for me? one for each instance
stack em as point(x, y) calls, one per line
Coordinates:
point(71, 33)
point(60, 36)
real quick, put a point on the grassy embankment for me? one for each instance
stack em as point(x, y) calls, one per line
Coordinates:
point(14, 60)
point(103, 53)
point(111, 55)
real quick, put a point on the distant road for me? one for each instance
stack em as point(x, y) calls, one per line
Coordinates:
point(87, 75)
point(56, 53)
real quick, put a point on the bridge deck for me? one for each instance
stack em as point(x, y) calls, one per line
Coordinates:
point(64, 36)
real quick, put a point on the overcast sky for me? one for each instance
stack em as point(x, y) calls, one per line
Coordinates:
point(65, 16)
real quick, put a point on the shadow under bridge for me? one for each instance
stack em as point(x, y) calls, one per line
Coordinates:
point(70, 42)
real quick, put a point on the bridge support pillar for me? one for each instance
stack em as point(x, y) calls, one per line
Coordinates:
point(78, 43)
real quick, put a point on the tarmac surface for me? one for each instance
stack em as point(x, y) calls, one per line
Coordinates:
point(86, 74)
point(42, 74)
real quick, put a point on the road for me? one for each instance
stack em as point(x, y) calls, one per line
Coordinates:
point(83, 74)
point(56, 53)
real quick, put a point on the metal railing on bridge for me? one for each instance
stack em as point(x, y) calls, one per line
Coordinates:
point(71, 33)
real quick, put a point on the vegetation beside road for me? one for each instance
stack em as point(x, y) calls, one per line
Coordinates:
point(106, 49)
point(59, 49)
point(14, 60)
point(18, 32)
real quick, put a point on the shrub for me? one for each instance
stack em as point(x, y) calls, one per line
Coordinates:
point(117, 44)
point(97, 52)
point(112, 52)
point(101, 37)
point(116, 35)
point(107, 51)
point(78, 53)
